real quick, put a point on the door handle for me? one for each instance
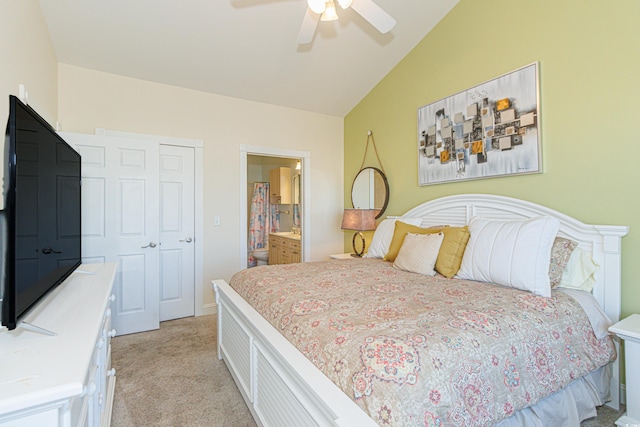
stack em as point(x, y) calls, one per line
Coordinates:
point(150, 245)
point(48, 251)
point(188, 240)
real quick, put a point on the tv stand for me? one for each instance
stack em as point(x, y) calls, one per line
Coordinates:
point(37, 329)
point(63, 380)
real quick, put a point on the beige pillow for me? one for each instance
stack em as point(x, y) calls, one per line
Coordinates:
point(419, 252)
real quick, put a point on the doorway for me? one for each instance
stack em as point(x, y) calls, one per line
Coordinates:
point(255, 164)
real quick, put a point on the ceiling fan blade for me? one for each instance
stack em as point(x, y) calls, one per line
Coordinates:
point(308, 28)
point(374, 14)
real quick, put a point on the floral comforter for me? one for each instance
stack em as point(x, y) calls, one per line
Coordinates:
point(428, 351)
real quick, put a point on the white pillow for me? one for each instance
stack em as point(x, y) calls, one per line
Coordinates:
point(384, 233)
point(579, 271)
point(513, 253)
point(419, 252)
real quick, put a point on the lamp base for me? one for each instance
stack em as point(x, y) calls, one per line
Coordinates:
point(357, 254)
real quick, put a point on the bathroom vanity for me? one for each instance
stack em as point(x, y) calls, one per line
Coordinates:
point(284, 248)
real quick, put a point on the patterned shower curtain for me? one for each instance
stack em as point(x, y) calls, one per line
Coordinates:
point(264, 218)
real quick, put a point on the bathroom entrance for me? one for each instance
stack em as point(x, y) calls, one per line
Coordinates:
point(274, 216)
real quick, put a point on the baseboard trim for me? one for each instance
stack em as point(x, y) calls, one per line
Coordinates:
point(209, 309)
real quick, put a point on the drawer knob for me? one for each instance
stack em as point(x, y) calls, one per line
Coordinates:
point(89, 390)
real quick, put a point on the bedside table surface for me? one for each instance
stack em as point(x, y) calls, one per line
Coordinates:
point(341, 256)
point(629, 326)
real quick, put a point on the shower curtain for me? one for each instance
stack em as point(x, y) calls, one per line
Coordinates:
point(264, 218)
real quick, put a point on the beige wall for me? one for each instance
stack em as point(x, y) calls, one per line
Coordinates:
point(28, 58)
point(589, 59)
point(90, 99)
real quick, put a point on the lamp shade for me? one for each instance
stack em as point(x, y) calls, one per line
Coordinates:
point(359, 219)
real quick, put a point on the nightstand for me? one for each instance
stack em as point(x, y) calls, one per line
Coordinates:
point(342, 256)
point(628, 329)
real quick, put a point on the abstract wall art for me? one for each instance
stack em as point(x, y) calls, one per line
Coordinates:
point(489, 130)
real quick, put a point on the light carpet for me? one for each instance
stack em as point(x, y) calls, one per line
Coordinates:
point(172, 377)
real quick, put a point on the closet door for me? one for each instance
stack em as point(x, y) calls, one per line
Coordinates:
point(177, 232)
point(120, 222)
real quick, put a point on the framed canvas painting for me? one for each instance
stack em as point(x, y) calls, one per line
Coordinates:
point(489, 130)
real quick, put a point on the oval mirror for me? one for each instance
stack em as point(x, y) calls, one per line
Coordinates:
point(370, 190)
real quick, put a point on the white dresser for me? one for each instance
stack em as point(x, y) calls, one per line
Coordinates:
point(67, 379)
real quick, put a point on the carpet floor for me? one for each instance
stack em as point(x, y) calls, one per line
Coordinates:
point(171, 377)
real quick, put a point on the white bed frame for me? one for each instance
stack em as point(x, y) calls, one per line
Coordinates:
point(283, 388)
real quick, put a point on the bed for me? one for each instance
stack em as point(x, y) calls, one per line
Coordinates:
point(298, 380)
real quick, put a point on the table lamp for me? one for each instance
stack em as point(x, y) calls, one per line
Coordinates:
point(359, 220)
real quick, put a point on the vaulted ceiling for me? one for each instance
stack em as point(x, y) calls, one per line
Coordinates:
point(240, 48)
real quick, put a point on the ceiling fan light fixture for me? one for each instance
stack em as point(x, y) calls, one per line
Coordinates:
point(329, 13)
point(344, 3)
point(317, 6)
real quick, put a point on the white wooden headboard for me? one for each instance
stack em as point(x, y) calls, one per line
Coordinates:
point(603, 241)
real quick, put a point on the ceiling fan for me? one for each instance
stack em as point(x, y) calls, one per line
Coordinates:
point(325, 10)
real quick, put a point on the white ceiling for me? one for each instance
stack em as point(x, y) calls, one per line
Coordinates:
point(240, 48)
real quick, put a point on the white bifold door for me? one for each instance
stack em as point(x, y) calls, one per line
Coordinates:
point(138, 211)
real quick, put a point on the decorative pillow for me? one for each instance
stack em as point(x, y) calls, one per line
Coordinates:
point(400, 231)
point(580, 271)
point(560, 253)
point(419, 252)
point(513, 253)
point(382, 236)
point(451, 251)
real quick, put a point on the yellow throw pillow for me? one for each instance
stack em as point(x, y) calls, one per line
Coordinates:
point(451, 251)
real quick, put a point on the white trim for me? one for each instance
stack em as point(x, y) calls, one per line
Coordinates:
point(200, 309)
point(305, 157)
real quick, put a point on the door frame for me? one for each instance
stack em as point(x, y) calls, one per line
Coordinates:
point(197, 145)
point(305, 158)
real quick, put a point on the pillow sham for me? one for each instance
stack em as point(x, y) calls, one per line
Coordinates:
point(512, 253)
point(384, 233)
point(418, 253)
point(560, 253)
point(579, 272)
point(451, 251)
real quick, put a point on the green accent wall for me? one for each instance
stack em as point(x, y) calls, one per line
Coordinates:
point(589, 70)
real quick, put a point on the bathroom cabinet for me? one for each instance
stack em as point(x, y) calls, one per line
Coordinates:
point(280, 185)
point(283, 250)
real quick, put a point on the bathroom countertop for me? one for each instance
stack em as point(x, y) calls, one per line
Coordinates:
point(288, 235)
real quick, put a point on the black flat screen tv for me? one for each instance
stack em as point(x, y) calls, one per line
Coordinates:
point(41, 225)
